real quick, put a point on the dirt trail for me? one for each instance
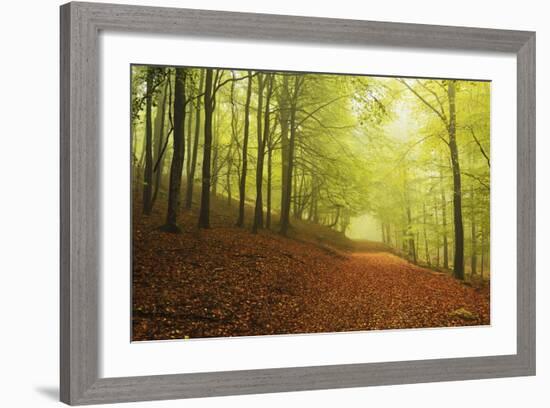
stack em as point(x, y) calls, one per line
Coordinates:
point(379, 290)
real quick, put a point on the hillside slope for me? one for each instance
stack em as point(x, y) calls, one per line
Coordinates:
point(226, 281)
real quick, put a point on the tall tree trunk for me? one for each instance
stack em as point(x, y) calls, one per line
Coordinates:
point(134, 146)
point(473, 257)
point(417, 246)
point(316, 203)
point(215, 154)
point(159, 141)
point(410, 235)
point(204, 215)
point(295, 196)
point(482, 250)
point(284, 121)
point(437, 242)
point(228, 165)
point(148, 174)
point(300, 199)
point(408, 214)
point(242, 181)
point(269, 171)
point(457, 189)
point(262, 135)
point(233, 140)
point(257, 221)
point(426, 247)
point(140, 166)
point(285, 210)
point(311, 209)
point(189, 133)
point(136, 176)
point(178, 155)
point(191, 175)
point(444, 222)
point(228, 178)
point(294, 192)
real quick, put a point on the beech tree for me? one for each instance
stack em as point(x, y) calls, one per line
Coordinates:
point(209, 104)
point(148, 174)
point(448, 118)
point(178, 155)
point(194, 153)
point(244, 154)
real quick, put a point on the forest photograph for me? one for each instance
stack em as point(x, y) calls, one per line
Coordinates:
point(280, 202)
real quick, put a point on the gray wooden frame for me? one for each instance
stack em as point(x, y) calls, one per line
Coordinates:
point(80, 192)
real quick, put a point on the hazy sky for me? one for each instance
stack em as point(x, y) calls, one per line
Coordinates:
point(364, 227)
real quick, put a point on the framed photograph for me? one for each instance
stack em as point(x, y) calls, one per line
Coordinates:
point(261, 203)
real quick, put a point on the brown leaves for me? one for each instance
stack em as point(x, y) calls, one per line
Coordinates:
point(228, 282)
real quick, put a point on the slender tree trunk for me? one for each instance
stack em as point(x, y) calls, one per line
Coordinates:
point(417, 246)
point(426, 247)
point(284, 121)
point(437, 241)
point(296, 197)
point(301, 200)
point(315, 201)
point(204, 215)
point(189, 132)
point(148, 174)
point(178, 155)
point(408, 214)
point(140, 166)
point(262, 137)
point(229, 165)
point(285, 211)
point(215, 151)
point(482, 250)
point(444, 221)
point(228, 179)
point(410, 234)
point(458, 264)
point(310, 209)
point(134, 145)
point(269, 171)
point(258, 208)
point(242, 181)
point(136, 177)
point(287, 190)
point(473, 256)
point(191, 175)
point(233, 140)
point(159, 134)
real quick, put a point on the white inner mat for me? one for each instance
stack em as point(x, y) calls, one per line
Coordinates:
point(119, 357)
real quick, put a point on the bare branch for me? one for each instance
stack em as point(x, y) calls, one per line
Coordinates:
point(477, 178)
point(480, 146)
point(429, 105)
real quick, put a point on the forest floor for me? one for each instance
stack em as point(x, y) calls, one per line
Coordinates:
point(226, 281)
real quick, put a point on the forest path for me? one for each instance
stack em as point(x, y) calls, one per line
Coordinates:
point(225, 281)
point(379, 290)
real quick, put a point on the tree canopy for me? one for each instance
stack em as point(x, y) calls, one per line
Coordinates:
point(412, 153)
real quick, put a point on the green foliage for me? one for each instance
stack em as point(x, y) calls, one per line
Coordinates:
point(362, 145)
